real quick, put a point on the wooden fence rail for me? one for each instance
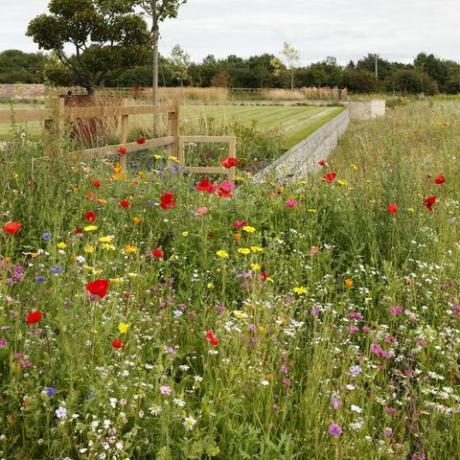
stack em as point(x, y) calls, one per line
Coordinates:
point(54, 125)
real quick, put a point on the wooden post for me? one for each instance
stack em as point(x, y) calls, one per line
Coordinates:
point(124, 132)
point(232, 153)
point(53, 136)
point(173, 130)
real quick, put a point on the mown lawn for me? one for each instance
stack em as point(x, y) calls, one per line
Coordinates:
point(294, 123)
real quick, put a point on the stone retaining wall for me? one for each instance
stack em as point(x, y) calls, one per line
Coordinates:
point(303, 158)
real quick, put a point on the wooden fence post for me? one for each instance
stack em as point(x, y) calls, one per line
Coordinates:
point(53, 136)
point(124, 132)
point(232, 153)
point(173, 130)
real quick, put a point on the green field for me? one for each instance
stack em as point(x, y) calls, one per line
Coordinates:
point(295, 123)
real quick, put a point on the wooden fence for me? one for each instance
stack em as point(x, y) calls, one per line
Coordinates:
point(54, 120)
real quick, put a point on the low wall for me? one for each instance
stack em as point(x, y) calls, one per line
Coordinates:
point(304, 157)
point(22, 90)
point(366, 110)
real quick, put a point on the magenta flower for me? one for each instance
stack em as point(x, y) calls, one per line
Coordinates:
point(291, 203)
point(335, 430)
point(396, 310)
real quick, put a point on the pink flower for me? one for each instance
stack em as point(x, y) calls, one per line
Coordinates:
point(227, 186)
point(353, 329)
point(165, 390)
point(201, 211)
point(335, 430)
point(291, 203)
point(396, 310)
point(314, 250)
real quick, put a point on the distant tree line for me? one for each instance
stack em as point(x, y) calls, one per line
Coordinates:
point(427, 74)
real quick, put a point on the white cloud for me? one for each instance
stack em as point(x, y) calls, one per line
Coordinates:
point(347, 29)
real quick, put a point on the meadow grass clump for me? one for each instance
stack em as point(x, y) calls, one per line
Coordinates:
point(153, 315)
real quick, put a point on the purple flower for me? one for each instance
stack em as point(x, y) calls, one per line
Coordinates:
point(47, 236)
point(50, 391)
point(3, 343)
point(388, 432)
point(335, 430)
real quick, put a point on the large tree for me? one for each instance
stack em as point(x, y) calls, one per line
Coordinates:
point(292, 58)
point(107, 36)
point(158, 11)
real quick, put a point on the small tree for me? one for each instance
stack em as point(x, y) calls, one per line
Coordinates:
point(181, 63)
point(292, 57)
point(108, 38)
point(158, 11)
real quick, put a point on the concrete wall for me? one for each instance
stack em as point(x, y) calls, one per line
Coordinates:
point(367, 110)
point(304, 157)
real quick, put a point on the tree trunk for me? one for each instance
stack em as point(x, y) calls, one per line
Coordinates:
point(155, 91)
point(292, 79)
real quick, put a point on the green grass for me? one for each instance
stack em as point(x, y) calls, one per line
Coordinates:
point(295, 123)
point(326, 308)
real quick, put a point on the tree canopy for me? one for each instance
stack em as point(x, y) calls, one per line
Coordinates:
point(108, 37)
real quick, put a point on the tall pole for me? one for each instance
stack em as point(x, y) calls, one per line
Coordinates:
point(376, 66)
point(155, 92)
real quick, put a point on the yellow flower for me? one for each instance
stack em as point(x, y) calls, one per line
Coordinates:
point(116, 280)
point(108, 247)
point(157, 157)
point(61, 245)
point(239, 314)
point(136, 220)
point(171, 158)
point(185, 234)
point(123, 328)
point(223, 254)
point(210, 285)
point(348, 283)
point(249, 229)
point(255, 267)
point(89, 249)
point(244, 251)
point(342, 182)
point(313, 211)
point(101, 201)
point(90, 228)
point(133, 275)
point(411, 209)
point(130, 249)
point(354, 167)
point(256, 249)
point(300, 290)
point(106, 239)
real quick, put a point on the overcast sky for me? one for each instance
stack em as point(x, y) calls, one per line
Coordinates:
point(346, 29)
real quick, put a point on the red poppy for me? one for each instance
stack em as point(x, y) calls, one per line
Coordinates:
point(440, 180)
point(430, 202)
point(12, 228)
point(122, 150)
point(98, 288)
point(212, 339)
point(323, 163)
point(158, 253)
point(239, 224)
point(229, 162)
point(392, 208)
point(330, 177)
point(167, 200)
point(78, 230)
point(264, 276)
point(206, 186)
point(90, 216)
point(124, 203)
point(96, 182)
point(117, 344)
point(34, 317)
point(140, 141)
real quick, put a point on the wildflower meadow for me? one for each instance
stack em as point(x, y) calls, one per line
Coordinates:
point(149, 314)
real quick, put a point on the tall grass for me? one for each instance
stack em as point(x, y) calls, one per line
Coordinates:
point(337, 323)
